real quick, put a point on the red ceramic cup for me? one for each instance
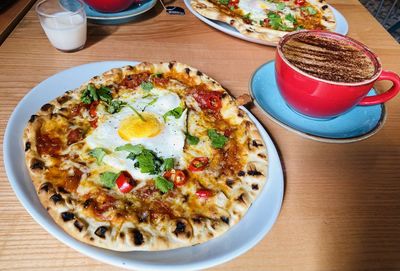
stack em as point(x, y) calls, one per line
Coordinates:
point(110, 5)
point(319, 98)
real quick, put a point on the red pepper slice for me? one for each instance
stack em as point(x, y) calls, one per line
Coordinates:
point(299, 2)
point(209, 100)
point(125, 182)
point(177, 176)
point(92, 109)
point(204, 193)
point(198, 164)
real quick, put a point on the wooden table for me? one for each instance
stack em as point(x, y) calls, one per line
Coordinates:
point(342, 202)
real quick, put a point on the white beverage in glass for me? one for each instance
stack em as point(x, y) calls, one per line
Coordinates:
point(64, 22)
point(66, 32)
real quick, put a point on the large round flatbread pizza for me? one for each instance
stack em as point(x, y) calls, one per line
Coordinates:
point(146, 157)
point(268, 20)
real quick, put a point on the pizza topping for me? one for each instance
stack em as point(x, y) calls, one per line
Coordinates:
point(204, 193)
point(99, 154)
point(191, 139)
point(72, 182)
point(146, 86)
point(107, 179)
point(176, 113)
point(48, 145)
point(198, 164)
point(218, 141)
point(135, 149)
point(163, 184)
point(134, 80)
point(299, 2)
point(176, 176)
point(125, 182)
point(92, 109)
point(74, 136)
point(210, 100)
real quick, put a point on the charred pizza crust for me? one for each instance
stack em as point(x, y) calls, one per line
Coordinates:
point(213, 11)
point(68, 208)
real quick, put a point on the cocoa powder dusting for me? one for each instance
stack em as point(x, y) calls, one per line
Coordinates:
point(329, 59)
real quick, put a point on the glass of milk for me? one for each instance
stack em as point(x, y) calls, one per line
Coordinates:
point(64, 22)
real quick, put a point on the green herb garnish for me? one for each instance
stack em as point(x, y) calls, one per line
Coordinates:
point(167, 164)
point(147, 86)
point(280, 6)
point(218, 141)
point(224, 2)
point(115, 106)
point(99, 154)
point(192, 140)
point(176, 112)
point(163, 184)
point(89, 94)
point(291, 18)
point(135, 149)
point(108, 178)
point(146, 162)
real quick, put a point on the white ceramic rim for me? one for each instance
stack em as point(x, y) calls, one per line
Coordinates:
point(275, 172)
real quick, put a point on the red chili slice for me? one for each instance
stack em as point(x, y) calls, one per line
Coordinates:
point(92, 109)
point(209, 100)
point(204, 193)
point(125, 182)
point(177, 176)
point(74, 136)
point(299, 2)
point(198, 164)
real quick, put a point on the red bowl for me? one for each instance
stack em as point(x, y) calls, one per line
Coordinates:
point(110, 5)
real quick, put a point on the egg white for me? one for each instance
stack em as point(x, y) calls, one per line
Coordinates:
point(168, 143)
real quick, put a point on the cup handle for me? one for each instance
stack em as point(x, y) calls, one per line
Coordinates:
point(384, 97)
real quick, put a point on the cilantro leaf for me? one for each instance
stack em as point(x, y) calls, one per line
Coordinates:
point(115, 106)
point(108, 179)
point(89, 95)
point(99, 154)
point(299, 27)
point(247, 16)
point(146, 86)
point(146, 162)
point(311, 10)
point(176, 112)
point(105, 94)
point(224, 2)
point(290, 18)
point(192, 140)
point(163, 184)
point(280, 6)
point(135, 149)
point(167, 164)
point(218, 141)
point(150, 103)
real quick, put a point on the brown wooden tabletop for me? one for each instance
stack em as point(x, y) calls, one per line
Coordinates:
point(341, 209)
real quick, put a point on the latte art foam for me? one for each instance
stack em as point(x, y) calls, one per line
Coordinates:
point(328, 58)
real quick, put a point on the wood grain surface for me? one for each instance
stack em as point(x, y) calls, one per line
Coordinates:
point(341, 209)
point(10, 16)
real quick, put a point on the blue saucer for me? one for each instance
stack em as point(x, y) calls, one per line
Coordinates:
point(357, 124)
point(119, 17)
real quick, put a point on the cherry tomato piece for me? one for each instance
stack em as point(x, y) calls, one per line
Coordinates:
point(92, 109)
point(209, 100)
point(177, 176)
point(198, 164)
point(125, 182)
point(204, 193)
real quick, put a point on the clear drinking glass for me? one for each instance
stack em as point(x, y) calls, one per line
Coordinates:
point(64, 22)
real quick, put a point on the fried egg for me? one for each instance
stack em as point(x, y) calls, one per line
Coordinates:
point(148, 128)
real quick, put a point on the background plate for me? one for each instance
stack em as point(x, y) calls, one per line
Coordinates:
point(243, 236)
point(119, 17)
point(342, 26)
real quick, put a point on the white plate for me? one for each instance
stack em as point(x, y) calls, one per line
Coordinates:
point(342, 26)
point(243, 236)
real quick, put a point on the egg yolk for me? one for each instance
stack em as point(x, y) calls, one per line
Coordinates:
point(134, 127)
